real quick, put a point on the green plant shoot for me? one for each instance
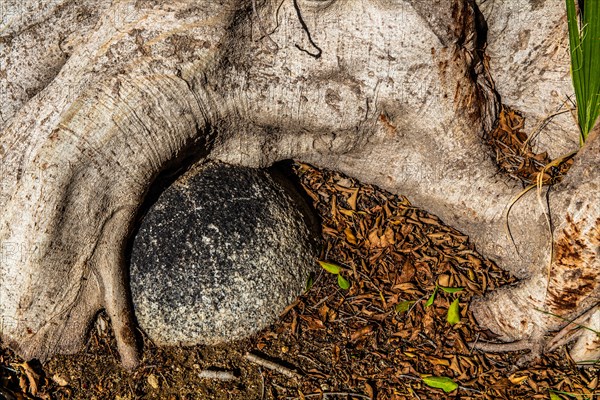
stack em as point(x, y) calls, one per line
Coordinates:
point(584, 43)
point(336, 270)
point(310, 281)
point(431, 299)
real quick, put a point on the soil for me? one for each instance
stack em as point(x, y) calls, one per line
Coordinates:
point(381, 338)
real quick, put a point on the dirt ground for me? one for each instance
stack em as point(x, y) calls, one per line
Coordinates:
point(379, 339)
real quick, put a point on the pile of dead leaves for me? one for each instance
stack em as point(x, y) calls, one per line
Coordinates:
point(514, 151)
point(21, 379)
point(397, 325)
point(390, 329)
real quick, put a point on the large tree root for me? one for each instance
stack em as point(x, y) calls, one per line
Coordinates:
point(155, 82)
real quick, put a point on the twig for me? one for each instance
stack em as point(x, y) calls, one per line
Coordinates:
point(474, 344)
point(518, 345)
point(326, 394)
point(426, 339)
point(469, 389)
point(312, 360)
point(262, 384)
point(217, 375)
point(321, 301)
point(290, 373)
point(6, 395)
point(413, 378)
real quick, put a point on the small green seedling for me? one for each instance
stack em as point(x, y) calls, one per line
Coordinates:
point(453, 316)
point(431, 298)
point(336, 270)
point(310, 281)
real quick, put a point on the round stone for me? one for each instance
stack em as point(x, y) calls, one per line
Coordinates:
point(219, 256)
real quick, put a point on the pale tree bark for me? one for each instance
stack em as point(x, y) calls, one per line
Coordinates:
point(391, 92)
point(36, 39)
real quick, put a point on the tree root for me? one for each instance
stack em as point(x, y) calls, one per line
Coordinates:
point(585, 332)
point(534, 346)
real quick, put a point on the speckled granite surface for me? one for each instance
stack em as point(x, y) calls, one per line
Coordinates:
point(218, 257)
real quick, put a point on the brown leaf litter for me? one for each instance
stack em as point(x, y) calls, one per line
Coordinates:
point(373, 341)
point(514, 151)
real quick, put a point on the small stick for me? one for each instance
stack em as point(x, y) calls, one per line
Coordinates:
point(327, 394)
point(262, 385)
point(474, 344)
point(217, 375)
point(272, 366)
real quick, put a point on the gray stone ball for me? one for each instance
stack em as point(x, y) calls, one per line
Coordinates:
point(219, 256)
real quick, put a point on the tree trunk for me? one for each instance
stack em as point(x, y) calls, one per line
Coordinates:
point(392, 93)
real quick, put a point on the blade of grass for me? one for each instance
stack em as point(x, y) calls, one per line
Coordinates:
point(586, 50)
point(569, 321)
point(576, 60)
point(592, 14)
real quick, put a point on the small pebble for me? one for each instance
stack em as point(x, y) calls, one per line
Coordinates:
point(153, 381)
point(60, 380)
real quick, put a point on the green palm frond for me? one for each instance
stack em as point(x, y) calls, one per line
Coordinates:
point(584, 42)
